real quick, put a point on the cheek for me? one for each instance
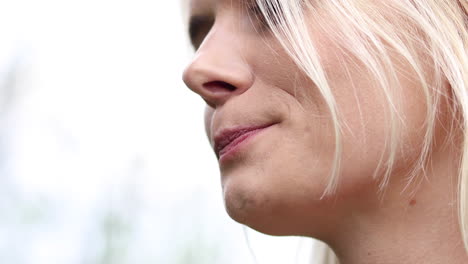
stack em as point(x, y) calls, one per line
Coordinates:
point(365, 114)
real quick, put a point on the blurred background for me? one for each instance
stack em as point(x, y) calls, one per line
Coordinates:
point(103, 157)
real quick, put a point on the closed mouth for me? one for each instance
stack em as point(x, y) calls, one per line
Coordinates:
point(229, 138)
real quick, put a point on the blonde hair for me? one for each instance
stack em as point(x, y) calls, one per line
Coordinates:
point(368, 29)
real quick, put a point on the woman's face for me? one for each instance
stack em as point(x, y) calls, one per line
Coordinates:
point(272, 131)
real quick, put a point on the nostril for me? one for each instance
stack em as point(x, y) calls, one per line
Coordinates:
point(219, 86)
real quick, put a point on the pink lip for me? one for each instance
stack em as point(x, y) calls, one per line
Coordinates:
point(228, 140)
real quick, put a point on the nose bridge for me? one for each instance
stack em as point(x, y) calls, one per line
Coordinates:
point(219, 69)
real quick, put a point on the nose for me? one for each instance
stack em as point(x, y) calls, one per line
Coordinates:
point(219, 70)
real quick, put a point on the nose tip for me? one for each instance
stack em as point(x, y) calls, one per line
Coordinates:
point(217, 81)
point(214, 92)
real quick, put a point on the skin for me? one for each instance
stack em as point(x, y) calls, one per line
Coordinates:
point(275, 183)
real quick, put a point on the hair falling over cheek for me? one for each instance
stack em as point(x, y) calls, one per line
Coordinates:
point(419, 32)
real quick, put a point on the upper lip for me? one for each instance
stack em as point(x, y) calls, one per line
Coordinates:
point(226, 136)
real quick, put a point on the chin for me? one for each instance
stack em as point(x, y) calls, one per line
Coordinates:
point(280, 201)
point(251, 206)
point(259, 207)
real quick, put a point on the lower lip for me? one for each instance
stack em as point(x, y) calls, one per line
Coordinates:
point(235, 147)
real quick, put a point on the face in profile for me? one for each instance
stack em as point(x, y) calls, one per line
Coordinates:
point(272, 131)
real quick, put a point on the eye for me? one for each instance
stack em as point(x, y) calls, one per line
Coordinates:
point(199, 26)
point(272, 10)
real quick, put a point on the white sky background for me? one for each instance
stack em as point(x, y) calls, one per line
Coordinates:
point(102, 121)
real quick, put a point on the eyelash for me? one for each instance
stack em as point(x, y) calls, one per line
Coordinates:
point(199, 24)
point(255, 11)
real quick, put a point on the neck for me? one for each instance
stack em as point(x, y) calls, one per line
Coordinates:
point(419, 225)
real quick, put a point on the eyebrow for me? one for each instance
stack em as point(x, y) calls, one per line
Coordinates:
point(197, 24)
